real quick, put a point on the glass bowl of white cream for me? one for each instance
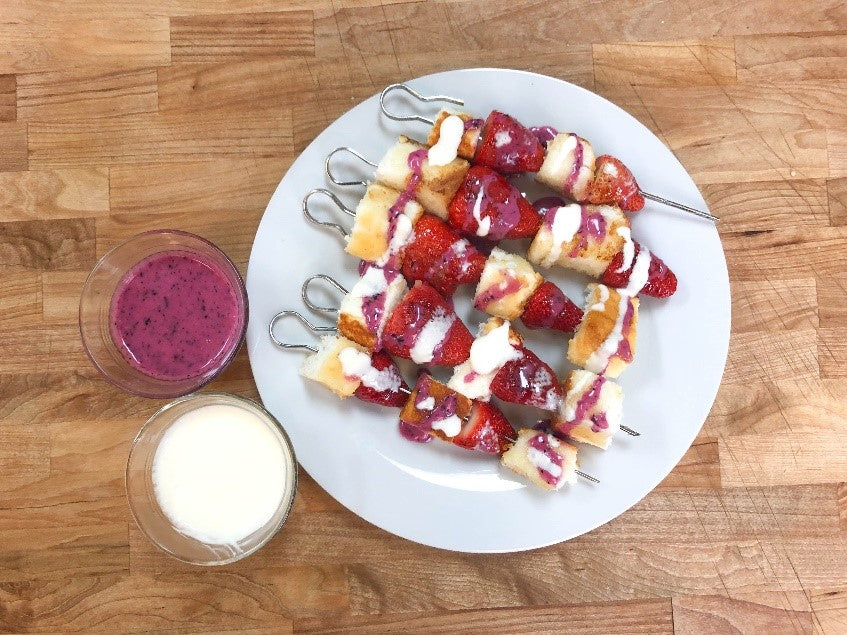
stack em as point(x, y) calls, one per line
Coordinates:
point(211, 478)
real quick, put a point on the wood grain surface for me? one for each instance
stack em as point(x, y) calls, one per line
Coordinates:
point(118, 116)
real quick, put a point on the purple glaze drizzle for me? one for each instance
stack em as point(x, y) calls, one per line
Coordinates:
point(470, 124)
point(411, 432)
point(545, 134)
point(592, 226)
point(586, 402)
point(373, 306)
point(541, 442)
point(577, 164)
point(415, 162)
point(624, 349)
point(599, 422)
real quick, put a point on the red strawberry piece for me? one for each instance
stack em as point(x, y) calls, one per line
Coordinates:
point(420, 306)
point(486, 430)
point(614, 184)
point(508, 146)
point(487, 205)
point(440, 257)
point(395, 398)
point(661, 281)
point(527, 381)
point(550, 308)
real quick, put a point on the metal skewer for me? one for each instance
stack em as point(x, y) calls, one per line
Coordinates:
point(419, 97)
point(454, 100)
point(305, 322)
point(684, 208)
point(337, 201)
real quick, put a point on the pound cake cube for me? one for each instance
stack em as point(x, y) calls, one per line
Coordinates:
point(438, 185)
point(369, 239)
point(604, 341)
point(470, 139)
point(324, 366)
point(542, 459)
point(592, 409)
point(376, 293)
point(568, 165)
point(584, 238)
point(506, 285)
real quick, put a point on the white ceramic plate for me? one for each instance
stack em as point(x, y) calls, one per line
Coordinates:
point(437, 494)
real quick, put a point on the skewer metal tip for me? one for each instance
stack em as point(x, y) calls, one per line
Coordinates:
point(587, 477)
point(684, 208)
point(630, 431)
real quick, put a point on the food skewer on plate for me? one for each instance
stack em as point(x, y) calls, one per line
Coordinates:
point(563, 161)
point(500, 364)
point(432, 410)
point(507, 285)
point(597, 240)
point(599, 236)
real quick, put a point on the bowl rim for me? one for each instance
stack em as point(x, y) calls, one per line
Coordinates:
point(241, 290)
point(211, 397)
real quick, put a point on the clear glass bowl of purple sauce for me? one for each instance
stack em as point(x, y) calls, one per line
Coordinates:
point(163, 313)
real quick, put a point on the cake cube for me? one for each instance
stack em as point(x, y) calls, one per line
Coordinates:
point(542, 459)
point(506, 284)
point(604, 341)
point(592, 409)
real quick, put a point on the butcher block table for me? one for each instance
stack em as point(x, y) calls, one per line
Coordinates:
point(118, 116)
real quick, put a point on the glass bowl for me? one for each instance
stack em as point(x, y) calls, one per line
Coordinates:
point(146, 509)
point(96, 302)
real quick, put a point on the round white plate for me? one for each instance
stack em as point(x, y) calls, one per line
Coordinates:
point(437, 494)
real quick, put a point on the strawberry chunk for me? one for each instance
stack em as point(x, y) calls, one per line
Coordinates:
point(425, 329)
point(508, 146)
point(392, 396)
point(440, 257)
point(487, 205)
point(486, 430)
point(614, 184)
point(527, 381)
point(661, 281)
point(550, 308)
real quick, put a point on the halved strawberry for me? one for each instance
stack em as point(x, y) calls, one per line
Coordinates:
point(527, 381)
point(508, 146)
point(389, 397)
point(661, 281)
point(440, 257)
point(486, 430)
point(550, 308)
point(614, 184)
point(423, 310)
point(487, 205)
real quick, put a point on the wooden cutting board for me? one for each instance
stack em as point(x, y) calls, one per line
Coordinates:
point(118, 116)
